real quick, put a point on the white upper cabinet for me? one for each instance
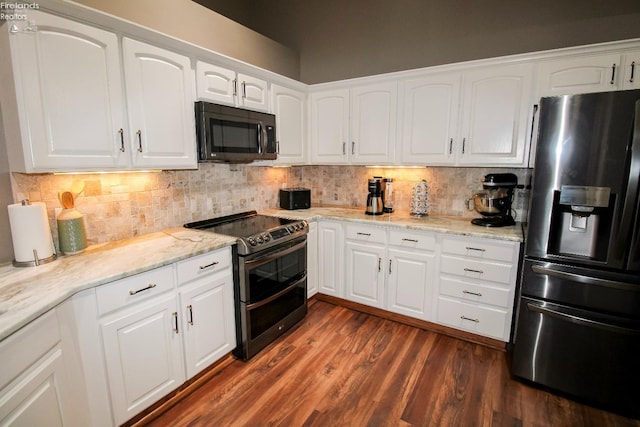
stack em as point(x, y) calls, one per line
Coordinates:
point(289, 107)
point(67, 105)
point(68, 97)
point(356, 125)
point(160, 105)
point(497, 106)
point(222, 85)
point(477, 117)
point(579, 74)
point(430, 124)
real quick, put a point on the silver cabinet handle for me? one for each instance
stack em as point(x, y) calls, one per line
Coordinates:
point(175, 321)
point(390, 266)
point(613, 74)
point(404, 239)
point(379, 264)
point(450, 146)
point(353, 147)
point(277, 147)
point(471, 248)
point(151, 286)
point(470, 270)
point(190, 312)
point(344, 148)
point(464, 144)
point(470, 319)
point(244, 90)
point(363, 234)
point(139, 133)
point(235, 87)
point(633, 70)
point(203, 267)
point(121, 132)
point(478, 294)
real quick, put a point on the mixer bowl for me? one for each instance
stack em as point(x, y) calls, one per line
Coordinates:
point(491, 202)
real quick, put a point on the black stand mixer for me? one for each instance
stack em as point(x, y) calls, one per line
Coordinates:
point(494, 202)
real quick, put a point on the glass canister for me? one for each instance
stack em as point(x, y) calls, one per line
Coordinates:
point(389, 197)
point(420, 199)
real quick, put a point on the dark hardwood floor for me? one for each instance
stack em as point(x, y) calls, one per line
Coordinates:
point(341, 367)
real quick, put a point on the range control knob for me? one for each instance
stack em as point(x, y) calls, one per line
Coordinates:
point(266, 237)
point(252, 241)
point(291, 228)
point(260, 239)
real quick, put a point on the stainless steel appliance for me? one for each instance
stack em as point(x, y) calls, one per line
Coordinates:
point(494, 202)
point(271, 275)
point(389, 197)
point(375, 198)
point(578, 322)
point(234, 135)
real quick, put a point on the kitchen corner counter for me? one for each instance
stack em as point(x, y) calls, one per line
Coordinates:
point(26, 293)
point(442, 224)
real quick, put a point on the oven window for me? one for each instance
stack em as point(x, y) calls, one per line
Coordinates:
point(235, 137)
point(271, 277)
point(264, 317)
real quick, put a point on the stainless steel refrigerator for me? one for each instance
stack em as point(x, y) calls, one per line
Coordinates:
point(578, 317)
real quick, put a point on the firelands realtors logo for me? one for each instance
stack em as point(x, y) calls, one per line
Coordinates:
point(14, 11)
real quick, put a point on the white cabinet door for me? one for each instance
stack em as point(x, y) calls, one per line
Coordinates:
point(431, 106)
point(330, 260)
point(630, 75)
point(312, 260)
point(495, 116)
point(208, 321)
point(373, 123)
point(224, 86)
point(68, 91)
point(579, 74)
point(143, 355)
point(289, 107)
point(329, 126)
point(160, 104)
point(411, 283)
point(364, 273)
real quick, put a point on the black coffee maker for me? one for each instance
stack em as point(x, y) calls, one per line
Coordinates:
point(494, 202)
point(375, 198)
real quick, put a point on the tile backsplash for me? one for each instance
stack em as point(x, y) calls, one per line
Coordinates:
point(118, 206)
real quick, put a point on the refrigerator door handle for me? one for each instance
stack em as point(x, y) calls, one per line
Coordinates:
point(587, 280)
point(629, 216)
point(581, 320)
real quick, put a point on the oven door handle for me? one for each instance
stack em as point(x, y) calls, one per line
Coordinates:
point(271, 257)
point(581, 320)
point(276, 296)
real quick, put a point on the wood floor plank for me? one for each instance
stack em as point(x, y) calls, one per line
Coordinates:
point(341, 367)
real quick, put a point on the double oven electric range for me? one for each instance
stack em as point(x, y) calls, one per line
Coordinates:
point(270, 275)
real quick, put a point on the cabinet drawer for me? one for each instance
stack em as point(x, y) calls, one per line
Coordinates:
point(481, 249)
point(476, 293)
point(134, 289)
point(412, 239)
point(366, 234)
point(474, 269)
point(482, 320)
point(203, 265)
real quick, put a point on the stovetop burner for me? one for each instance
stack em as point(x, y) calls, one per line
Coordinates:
point(255, 232)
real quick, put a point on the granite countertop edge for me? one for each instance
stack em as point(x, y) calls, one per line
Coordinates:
point(28, 292)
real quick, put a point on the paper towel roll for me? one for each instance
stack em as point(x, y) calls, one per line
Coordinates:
point(30, 231)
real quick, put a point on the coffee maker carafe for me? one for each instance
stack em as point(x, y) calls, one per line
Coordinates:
point(494, 202)
point(375, 198)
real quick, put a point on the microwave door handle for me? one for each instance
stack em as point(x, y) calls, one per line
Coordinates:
point(259, 138)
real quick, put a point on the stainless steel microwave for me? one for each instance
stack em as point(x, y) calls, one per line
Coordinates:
point(234, 135)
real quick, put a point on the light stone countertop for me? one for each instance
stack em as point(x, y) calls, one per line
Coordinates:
point(442, 224)
point(28, 292)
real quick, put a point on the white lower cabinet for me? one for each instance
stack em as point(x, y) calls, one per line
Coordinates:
point(365, 253)
point(330, 259)
point(156, 336)
point(312, 259)
point(477, 285)
point(34, 386)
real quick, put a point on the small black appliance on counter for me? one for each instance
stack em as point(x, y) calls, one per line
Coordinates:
point(295, 198)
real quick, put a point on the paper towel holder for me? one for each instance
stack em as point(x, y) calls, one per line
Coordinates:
point(36, 261)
